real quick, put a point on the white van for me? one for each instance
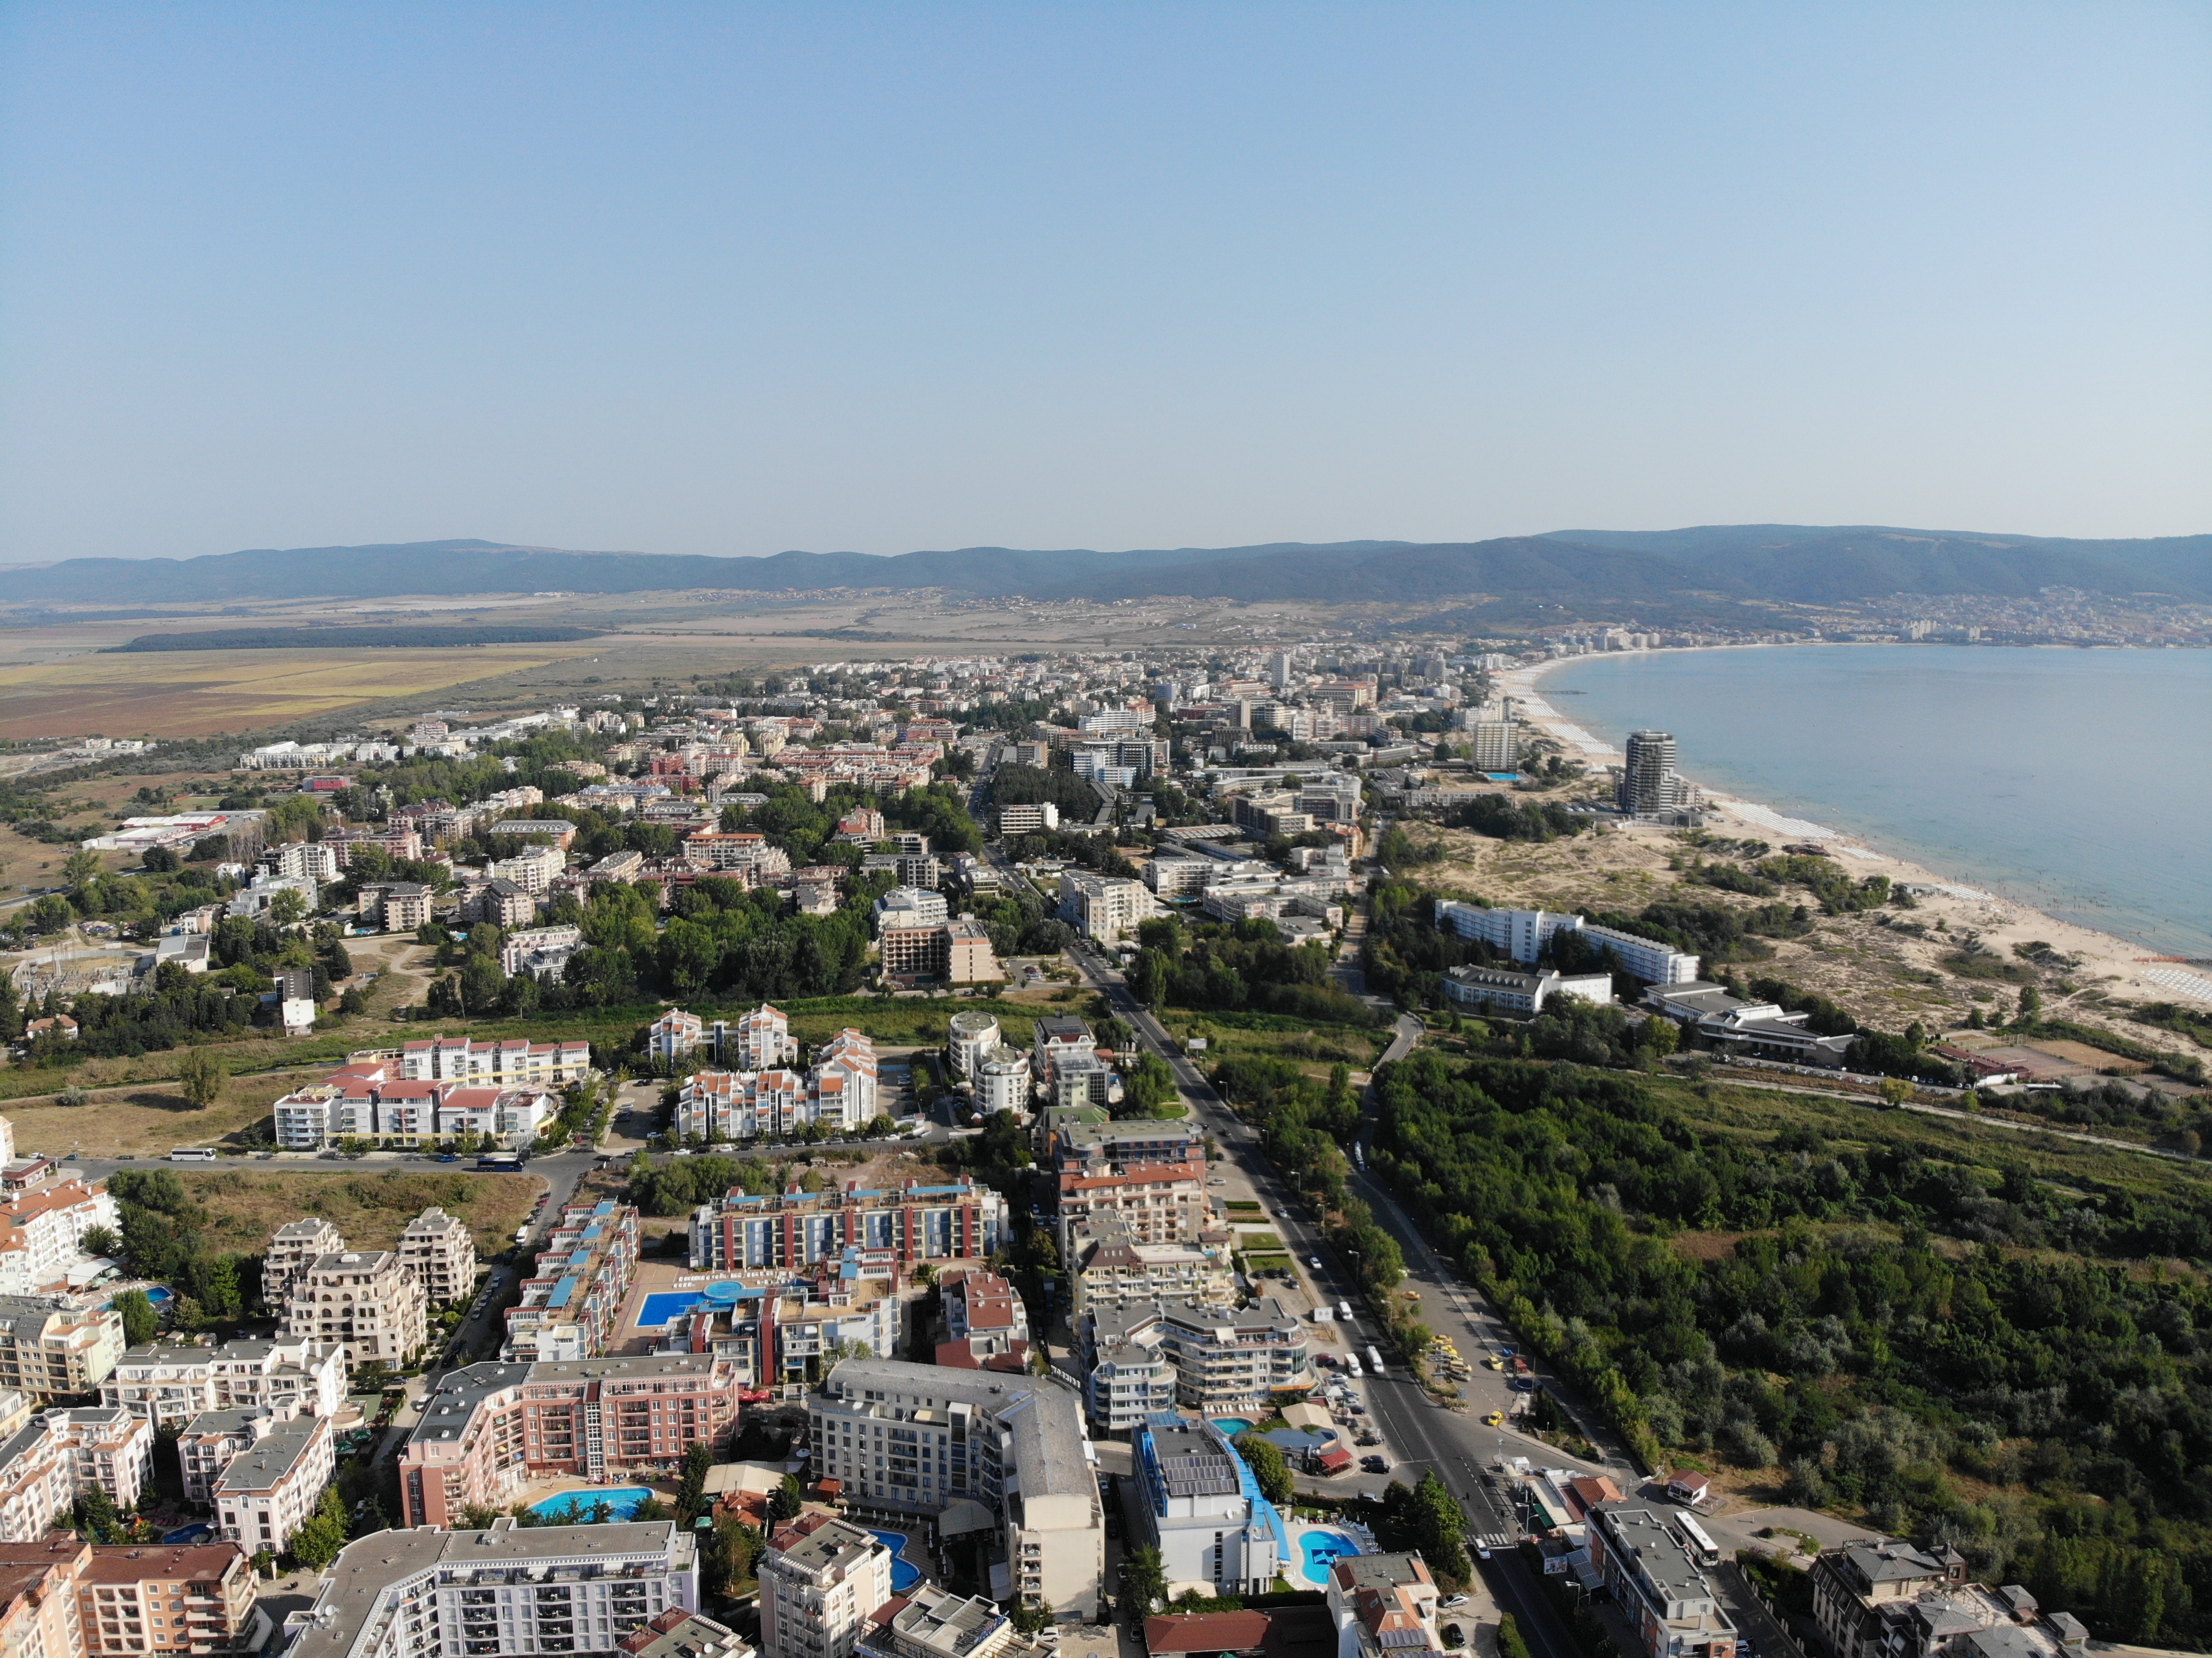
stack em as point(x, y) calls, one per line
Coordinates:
point(1351, 1365)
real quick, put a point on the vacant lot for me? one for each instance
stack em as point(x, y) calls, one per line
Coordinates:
point(147, 1118)
point(197, 693)
point(246, 1208)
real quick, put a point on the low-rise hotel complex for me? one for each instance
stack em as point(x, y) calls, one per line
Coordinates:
point(959, 1219)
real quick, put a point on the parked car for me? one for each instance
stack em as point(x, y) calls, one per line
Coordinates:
point(1375, 1464)
point(1451, 1600)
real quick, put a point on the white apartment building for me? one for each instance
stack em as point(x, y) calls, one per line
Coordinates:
point(438, 1249)
point(266, 1491)
point(1524, 933)
point(1382, 1604)
point(917, 1439)
point(1036, 819)
point(1226, 1360)
point(820, 1579)
point(59, 1453)
point(510, 1592)
point(285, 1377)
point(1500, 990)
point(366, 1302)
point(759, 1040)
point(967, 1039)
point(511, 1062)
point(1104, 909)
point(911, 907)
point(296, 1246)
point(42, 1232)
point(839, 1092)
point(1002, 1082)
point(1203, 1513)
point(50, 1348)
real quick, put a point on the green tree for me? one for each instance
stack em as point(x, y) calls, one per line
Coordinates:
point(1144, 1580)
point(201, 1074)
point(324, 1533)
point(691, 1491)
point(80, 869)
point(100, 1241)
point(97, 1520)
point(1269, 1467)
point(785, 1502)
point(1032, 1618)
point(651, 1508)
point(1511, 1643)
point(140, 1325)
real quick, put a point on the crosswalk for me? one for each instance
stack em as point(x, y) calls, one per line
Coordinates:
point(1497, 1539)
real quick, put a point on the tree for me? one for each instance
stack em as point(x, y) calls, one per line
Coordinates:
point(99, 1240)
point(289, 908)
point(322, 1534)
point(80, 869)
point(97, 1520)
point(1511, 1643)
point(201, 1074)
point(1144, 1580)
point(692, 1492)
point(1032, 1618)
point(140, 1325)
point(786, 1500)
point(651, 1508)
point(1269, 1467)
point(1894, 1090)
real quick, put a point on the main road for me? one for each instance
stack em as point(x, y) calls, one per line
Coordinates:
point(1425, 1436)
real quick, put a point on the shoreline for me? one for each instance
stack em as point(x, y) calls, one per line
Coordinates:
point(2115, 965)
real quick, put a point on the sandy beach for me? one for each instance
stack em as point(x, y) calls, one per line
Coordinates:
point(2114, 966)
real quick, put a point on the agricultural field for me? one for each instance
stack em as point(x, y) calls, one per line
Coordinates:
point(245, 1207)
point(199, 693)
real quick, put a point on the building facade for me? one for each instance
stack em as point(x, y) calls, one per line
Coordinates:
point(820, 1579)
point(959, 1220)
point(366, 1303)
point(1199, 1505)
point(285, 1377)
point(439, 1250)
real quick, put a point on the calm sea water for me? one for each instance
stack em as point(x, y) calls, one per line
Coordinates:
point(2077, 781)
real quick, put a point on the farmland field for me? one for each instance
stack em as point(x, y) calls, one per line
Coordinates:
point(197, 693)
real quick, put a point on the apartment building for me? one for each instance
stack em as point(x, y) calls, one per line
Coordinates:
point(45, 1462)
point(366, 1302)
point(928, 1622)
point(1657, 1584)
point(958, 1220)
point(779, 1335)
point(294, 1248)
point(1097, 1147)
point(513, 1062)
point(1107, 1267)
point(1158, 1203)
point(490, 1429)
point(820, 1579)
point(955, 952)
point(1383, 1604)
point(206, 1443)
point(1038, 819)
point(1128, 1383)
point(510, 1592)
point(680, 1634)
point(1501, 990)
point(759, 1040)
point(1002, 1082)
point(1525, 934)
point(137, 1600)
point(1201, 1508)
point(916, 1438)
point(571, 1300)
point(839, 1092)
point(394, 906)
point(438, 1249)
point(265, 1492)
point(368, 1099)
point(37, 1597)
point(1226, 1360)
point(1891, 1600)
point(986, 1323)
point(286, 1376)
point(42, 1233)
point(968, 1037)
point(1104, 909)
point(49, 1348)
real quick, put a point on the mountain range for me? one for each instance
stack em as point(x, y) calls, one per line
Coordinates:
point(1726, 562)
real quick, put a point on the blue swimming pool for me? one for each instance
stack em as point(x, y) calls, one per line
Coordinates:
point(1232, 1426)
point(578, 1507)
point(156, 1293)
point(669, 1303)
point(904, 1573)
point(1321, 1549)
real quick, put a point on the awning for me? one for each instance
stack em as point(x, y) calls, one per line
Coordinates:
point(964, 1514)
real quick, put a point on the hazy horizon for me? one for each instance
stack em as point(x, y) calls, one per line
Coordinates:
point(736, 280)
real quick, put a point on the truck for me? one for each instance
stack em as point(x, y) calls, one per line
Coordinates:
point(1351, 1365)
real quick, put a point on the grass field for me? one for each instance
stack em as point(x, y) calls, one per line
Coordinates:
point(148, 1119)
point(197, 693)
point(1314, 1048)
point(244, 1208)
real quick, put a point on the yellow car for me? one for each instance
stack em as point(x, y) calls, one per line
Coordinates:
point(1495, 1420)
point(1492, 1364)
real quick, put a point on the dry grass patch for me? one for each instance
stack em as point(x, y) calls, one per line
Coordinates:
point(148, 1119)
point(370, 1207)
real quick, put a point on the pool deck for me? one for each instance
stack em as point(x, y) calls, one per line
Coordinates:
point(567, 1485)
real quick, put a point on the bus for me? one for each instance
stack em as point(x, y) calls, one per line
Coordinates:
point(509, 1160)
point(1702, 1549)
point(191, 1154)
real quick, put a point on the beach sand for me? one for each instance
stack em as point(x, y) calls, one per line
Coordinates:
point(2112, 966)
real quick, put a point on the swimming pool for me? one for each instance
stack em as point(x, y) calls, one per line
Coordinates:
point(1321, 1549)
point(1232, 1426)
point(622, 1502)
point(904, 1573)
point(156, 1293)
point(667, 1305)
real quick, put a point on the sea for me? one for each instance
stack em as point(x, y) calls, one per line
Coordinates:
point(2076, 781)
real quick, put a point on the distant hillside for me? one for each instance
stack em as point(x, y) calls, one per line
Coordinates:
point(1807, 564)
point(368, 637)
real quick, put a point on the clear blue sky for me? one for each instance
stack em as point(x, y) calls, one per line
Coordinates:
point(727, 278)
